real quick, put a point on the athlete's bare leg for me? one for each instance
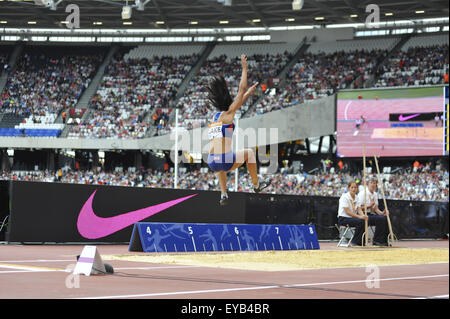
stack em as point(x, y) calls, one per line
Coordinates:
point(223, 187)
point(222, 181)
point(247, 156)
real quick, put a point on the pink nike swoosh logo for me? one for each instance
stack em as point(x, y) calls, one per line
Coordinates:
point(91, 226)
point(405, 118)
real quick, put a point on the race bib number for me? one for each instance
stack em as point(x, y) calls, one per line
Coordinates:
point(215, 130)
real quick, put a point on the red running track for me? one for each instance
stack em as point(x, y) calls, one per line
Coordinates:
point(40, 272)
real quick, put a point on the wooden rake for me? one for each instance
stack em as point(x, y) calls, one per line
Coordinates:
point(391, 239)
point(365, 236)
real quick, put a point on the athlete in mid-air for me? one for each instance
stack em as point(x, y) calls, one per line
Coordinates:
point(358, 123)
point(221, 157)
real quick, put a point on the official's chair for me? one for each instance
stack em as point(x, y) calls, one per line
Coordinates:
point(346, 234)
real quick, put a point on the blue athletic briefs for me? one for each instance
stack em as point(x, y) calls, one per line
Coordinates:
point(225, 161)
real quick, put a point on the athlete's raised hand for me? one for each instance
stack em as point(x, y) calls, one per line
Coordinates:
point(252, 89)
point(244, 61)
point(240, 97)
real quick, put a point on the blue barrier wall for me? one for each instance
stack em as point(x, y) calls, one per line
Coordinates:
point(187, 237)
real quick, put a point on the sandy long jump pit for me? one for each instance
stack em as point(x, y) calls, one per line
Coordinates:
point(296, 260)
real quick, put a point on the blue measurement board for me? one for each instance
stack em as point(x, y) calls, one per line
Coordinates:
point(183, 237)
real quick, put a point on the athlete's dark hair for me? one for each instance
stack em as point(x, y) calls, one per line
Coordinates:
point(218, 94)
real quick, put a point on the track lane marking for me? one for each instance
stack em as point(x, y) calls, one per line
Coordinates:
point(346, 109)
point(35, 269)
point(189, 292)
point(29, 268)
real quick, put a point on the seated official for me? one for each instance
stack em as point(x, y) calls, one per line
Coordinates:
point(376, 216)
point(350, 213)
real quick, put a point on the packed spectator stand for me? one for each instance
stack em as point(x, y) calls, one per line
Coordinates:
point(44, 81)
point(323, 69)
point(425, 184)
point(265, 62)
point(141, 87)
point(142, 81)
point(133, 84)
point(421, 61)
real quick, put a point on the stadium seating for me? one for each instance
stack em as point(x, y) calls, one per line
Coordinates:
point(141, 80)
point(425, 184)
point(45, 81)
point(422, 60)
point(135, 83)
point(265, 61)
point(330, 47)
point(30, 132)
point(423, 41)
point(138, 91)
point(320, 72)
point(154, 51)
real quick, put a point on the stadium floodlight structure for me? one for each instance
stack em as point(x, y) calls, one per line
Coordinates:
point(227, 3)
point(140, 4)
point(51, 4)
point(297, 4)
point(127, 10)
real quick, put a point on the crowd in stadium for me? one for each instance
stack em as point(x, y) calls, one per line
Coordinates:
point(416, 66)
point(43, 84)
point(193, 103)
point(129, 90)
point(136, 95)
point(318, 75)
point(422, 185)
point(132, 89)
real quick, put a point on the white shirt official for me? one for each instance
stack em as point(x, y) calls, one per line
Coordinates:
point(346, 200)
point(370, 197)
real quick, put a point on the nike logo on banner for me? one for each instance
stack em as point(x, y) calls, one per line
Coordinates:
point(91, 226)
point(405, 118)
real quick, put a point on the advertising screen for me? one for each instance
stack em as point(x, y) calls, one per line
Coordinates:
point(391, 122)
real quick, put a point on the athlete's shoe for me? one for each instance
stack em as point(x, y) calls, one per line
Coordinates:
point(262, 185)
point(223, 200)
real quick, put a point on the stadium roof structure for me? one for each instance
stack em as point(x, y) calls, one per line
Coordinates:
point(185, 14)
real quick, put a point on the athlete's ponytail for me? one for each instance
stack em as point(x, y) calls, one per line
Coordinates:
point(218, 94)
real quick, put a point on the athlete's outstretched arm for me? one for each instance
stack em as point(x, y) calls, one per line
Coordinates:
point(250, 91)
point(239, 100)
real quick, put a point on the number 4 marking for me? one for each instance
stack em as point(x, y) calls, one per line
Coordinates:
point(148, 230)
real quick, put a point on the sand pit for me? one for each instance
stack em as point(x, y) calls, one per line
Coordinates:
point(295, 260)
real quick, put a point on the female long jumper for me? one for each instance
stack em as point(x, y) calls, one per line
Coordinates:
point(221, 157)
